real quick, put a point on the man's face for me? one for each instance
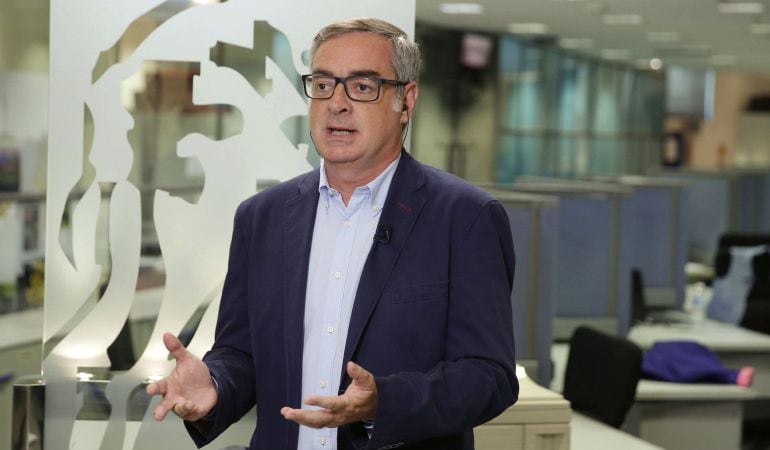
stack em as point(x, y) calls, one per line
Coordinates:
point(361, 136)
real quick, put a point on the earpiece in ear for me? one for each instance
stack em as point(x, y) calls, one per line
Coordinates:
point(404, 108)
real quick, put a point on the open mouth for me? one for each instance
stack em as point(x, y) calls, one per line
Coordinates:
point(340, 131)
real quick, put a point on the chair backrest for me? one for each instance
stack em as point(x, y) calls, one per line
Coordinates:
point(601, 375)
point(760, 288)
point(638, 303)
point(757, 314)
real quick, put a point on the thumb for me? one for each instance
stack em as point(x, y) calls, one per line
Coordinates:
point(360, 376)
point(175, 347)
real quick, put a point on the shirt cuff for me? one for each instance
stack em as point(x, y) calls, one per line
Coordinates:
point(369, 426)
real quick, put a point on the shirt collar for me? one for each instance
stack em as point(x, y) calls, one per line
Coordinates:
point(378, 188)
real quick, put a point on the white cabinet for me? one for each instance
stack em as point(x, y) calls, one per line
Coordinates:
point(540, 420)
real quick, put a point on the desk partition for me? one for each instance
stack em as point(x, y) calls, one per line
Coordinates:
point(720, 201)
point(751, 197)
point(592, 265)
point(658, 242)
point(534, 220)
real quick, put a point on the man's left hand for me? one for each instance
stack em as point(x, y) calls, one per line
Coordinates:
point(359, 402)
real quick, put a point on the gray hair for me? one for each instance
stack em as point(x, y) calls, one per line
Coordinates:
point(406, 54)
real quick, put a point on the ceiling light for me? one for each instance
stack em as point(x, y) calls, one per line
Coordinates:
point(760, 28)
point(741, 8)
point(660, 37)
point(596, 8)
point(656, 64)
point(461, 8)
point(528, 28)
point(684, 51)
point(576, 43)
point(622, 19)
point(722, 60)
point(616, 53)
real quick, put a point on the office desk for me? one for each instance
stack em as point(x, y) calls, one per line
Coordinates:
point(674, 415)
point(589, 434)
point(689, 416)
point(735, 346)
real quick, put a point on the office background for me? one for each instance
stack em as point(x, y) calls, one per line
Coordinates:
point(497, 107)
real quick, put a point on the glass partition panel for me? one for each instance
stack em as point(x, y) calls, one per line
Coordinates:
point(165, 115)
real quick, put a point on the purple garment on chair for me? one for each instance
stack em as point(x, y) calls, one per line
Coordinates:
point(685, 362)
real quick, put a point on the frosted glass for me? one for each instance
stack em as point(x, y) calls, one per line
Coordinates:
point(92, 264)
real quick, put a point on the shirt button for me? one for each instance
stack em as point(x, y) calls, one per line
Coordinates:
point(348, 224)
point(322, 384)
point(330, 329)
point(322, 440)
point(375, 208)
point(337, 275)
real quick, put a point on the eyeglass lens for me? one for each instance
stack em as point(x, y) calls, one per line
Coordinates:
point(357, 88)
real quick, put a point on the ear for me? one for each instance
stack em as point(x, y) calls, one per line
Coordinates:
point(411, 92)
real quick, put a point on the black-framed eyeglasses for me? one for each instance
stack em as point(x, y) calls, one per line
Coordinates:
point(358, 88)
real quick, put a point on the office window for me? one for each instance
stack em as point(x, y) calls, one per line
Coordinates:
point(607, 103)
point(586, 116)
point(519, 155)
point(522, 94)
point(569, 91)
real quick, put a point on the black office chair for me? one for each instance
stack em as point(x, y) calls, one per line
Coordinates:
point(601, 375)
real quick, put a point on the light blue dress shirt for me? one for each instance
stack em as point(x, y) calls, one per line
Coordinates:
point(342, 238)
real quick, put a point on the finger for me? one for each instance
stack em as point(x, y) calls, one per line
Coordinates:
point(310, 418)
point(184, 408)
point(175, 347)
point(156, 388)
point(331, 403)
point(359, 375)
point(160, 412)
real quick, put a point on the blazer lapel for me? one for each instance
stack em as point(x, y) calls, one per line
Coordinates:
point(400, 212)
point(298, 235)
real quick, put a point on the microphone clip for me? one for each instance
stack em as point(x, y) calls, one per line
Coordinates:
point(383, 234)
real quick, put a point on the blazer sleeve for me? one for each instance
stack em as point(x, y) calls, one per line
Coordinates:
point(476, 381)
point(230, 359)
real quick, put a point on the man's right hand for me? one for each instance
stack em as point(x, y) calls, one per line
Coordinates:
point(189, 391)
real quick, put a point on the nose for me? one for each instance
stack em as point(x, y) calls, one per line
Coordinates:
point(339, 101)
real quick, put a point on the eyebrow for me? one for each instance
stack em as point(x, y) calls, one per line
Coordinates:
point(355, 73)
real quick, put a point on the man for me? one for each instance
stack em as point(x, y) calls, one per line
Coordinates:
point(367, 303)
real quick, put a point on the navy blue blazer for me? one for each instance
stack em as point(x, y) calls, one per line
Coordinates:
point(431, 319)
